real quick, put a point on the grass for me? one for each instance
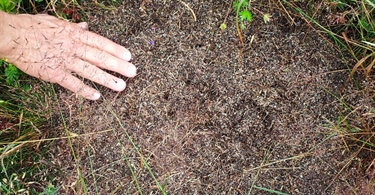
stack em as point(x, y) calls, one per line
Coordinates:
point(355, 125)
point(143, 162)
point(253, 186)
point(24, 117)
point(81, 181)
point(349, 23)
point(351, 26)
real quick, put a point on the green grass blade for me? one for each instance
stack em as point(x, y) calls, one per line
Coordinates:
point(270, 190)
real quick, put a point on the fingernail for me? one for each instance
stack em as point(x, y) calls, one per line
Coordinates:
point(127, 56)
point(120, 85)
point(132, 71)
point(96, 95)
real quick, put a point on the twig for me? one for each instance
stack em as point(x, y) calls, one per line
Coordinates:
point(191, 10)
point(238, 26)
point(227, 14)
point(286, 11)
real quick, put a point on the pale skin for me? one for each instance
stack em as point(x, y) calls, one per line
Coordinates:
point(52, 49)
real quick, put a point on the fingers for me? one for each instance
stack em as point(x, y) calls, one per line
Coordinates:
point(75, 85)
point(46, 17)
point(90, 38)
point(97, 75)
point(104, 44)
point(92, 73)
point(83, 25)
point(85, 53)
point(105, 60)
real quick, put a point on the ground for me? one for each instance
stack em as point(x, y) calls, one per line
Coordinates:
point(205, 117)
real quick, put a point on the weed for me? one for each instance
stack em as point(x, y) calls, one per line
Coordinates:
point(223, 26)
point(11, 73)
point(355, 125)
point(243, 15)
point(353, 19)
point(240, 7)
point(266, 18)
point(49, 190)
point(8, 6)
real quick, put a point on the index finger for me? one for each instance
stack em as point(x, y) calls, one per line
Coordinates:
point(104, 44)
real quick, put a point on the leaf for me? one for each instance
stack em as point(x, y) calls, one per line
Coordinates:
point(236, 5)
point(246, 16)
point(8, 5)
point(223, 26)
point(240, 4)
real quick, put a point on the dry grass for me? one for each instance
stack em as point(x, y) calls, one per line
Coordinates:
point(351, 27)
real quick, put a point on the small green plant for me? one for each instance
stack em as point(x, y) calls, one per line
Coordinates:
point(223, 26)
point(49, 190)
point(243, 15)
point(8, 6)
point(240, 7)
point(12, 74)
point(266, 18)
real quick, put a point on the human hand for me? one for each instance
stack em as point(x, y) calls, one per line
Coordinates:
point(51, 49)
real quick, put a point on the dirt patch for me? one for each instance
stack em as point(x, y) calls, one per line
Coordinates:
point(207, 119)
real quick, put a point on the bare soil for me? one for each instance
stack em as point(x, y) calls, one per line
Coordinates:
point(206, 118)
